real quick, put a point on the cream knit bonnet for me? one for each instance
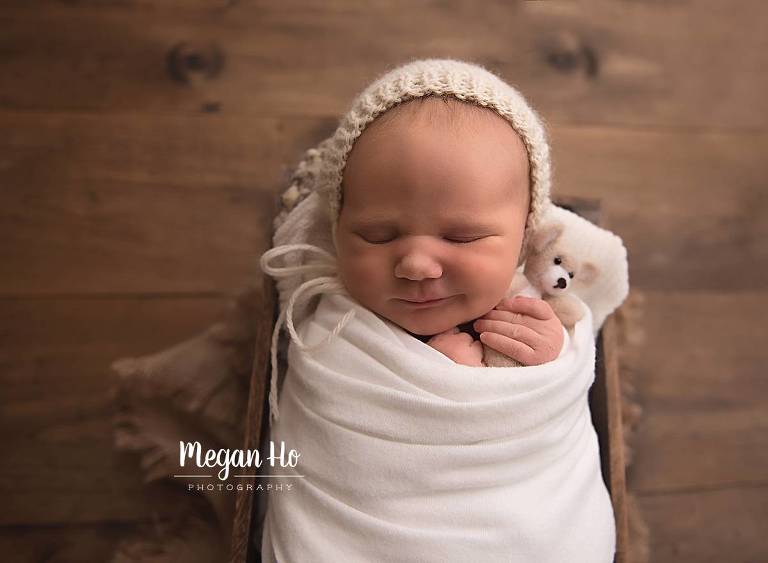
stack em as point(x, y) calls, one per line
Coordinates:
point(322, 168)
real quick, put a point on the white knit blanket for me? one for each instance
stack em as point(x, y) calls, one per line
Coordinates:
point(408, 456)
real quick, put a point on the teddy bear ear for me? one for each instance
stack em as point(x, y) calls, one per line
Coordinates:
point(546, 235)
point(588, 272)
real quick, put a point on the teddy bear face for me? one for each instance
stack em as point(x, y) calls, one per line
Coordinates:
point(551, 269)
point(550, 272)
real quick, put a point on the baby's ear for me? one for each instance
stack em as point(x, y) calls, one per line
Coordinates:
point(587, 273)
point(545, 236)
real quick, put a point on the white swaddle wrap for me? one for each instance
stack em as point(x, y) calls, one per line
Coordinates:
point(408, 456)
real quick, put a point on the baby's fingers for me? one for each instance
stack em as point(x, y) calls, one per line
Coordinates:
point(443, 335)
point(518, 332)
point(512, 348)
point(531, 306)
point(513, 318)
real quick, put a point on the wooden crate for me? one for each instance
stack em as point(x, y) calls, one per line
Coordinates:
point(604, 401)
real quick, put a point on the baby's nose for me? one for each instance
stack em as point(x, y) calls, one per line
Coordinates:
point(417, 267)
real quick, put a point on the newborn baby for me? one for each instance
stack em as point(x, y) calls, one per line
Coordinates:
point(435, 195)
point(408, 455)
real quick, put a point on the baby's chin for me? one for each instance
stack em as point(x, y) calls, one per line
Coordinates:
point(430, 321)
point(427, 326)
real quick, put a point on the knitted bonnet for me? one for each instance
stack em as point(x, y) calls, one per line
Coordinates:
point(465, 81)
point(321, 170)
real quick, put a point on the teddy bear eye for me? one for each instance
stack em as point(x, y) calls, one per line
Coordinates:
point(558, 261)
point(570, 275)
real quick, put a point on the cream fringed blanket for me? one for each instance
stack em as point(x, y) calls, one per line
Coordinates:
point(408, 456)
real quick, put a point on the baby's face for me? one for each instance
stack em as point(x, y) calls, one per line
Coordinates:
point(433, 211)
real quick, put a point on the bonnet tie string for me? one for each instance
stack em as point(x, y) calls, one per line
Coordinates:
point(326, 281)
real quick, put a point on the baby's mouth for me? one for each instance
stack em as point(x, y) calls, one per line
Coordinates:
point(418, 303)
point(425, 297)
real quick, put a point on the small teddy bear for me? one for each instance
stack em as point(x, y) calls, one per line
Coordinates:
point(555, 273)
point(548, 274)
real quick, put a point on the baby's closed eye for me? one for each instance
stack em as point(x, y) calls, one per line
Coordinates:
point(383, 239)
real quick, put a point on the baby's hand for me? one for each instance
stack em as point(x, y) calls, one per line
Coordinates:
point(459, 346)
point(524, 328)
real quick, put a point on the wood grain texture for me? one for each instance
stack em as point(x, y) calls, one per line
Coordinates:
point(692, 208)
point(85, 542)
point(709, 526)
point(97, 541)
point(101, 205)
point(706, 419)
point(620, 63)
point(59, 465)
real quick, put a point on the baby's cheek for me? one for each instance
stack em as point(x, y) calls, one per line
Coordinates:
point(486, 281)
point(488, 271)
point(365, 272)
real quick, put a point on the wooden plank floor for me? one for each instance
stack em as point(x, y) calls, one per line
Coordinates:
point(144, 142)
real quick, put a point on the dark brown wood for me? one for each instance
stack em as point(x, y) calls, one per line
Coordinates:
point(59, 465)
point(98, 540)
point(709, 526)
point(611, 63)
point(605, 404)
point(257, 399)
point(119, 210)
point(81, 542)
point(702, 372)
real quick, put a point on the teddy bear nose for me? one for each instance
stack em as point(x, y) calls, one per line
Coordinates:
point(561, 283)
